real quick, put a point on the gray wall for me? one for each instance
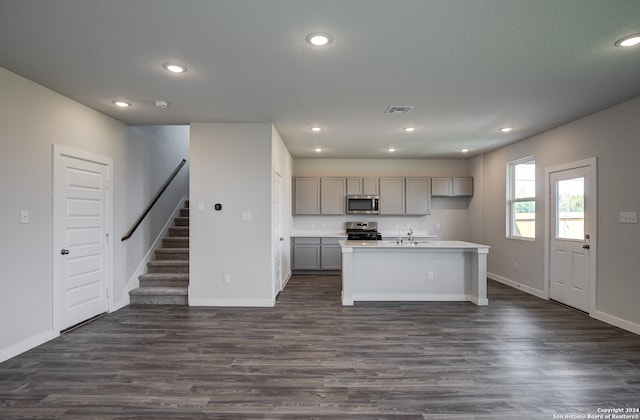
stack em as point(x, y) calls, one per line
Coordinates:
point(32, 118)
point(232, 164)
point(611, 136)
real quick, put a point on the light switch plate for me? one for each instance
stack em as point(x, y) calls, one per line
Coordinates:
point(24, 216)
point(246, 216)
point(628, 217)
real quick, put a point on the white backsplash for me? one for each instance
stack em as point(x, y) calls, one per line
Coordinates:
point(445, 224)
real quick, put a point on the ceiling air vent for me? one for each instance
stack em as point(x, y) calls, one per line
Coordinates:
point(398, 110)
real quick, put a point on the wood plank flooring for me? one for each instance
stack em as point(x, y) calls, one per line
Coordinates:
point(309, 357)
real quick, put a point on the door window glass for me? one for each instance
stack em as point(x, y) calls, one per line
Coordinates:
point(570, 209)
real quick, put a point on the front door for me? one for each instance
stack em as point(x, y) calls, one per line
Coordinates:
point(572, 223)
point(81, 229)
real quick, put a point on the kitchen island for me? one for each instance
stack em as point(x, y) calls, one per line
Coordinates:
point(414, 271)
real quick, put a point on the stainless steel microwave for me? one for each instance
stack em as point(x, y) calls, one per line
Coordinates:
point(363, 204)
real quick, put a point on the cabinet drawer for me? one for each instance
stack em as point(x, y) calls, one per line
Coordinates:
point(306, 241)
point(331, 241)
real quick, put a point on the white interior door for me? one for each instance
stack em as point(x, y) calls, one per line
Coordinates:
point(277, 234)
point(81, 228)
point(572, 223)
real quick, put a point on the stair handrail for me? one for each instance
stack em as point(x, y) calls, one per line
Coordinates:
point(155, 199)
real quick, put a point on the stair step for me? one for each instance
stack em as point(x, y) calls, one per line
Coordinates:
point(167, 279)
point(164, 280)
point(168, 266)
point(181, 221)
point(179, 231)
point(171, 242)
point(159, 296)
point(173, 254)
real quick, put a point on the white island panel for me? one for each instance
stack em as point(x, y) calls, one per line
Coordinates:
point(427, 271)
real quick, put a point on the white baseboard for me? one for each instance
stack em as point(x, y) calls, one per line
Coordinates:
point(519, 286)
point(133, 282)
point(618, 322)
point(25, 345)
point(286, 280)
point(601, 316)
point(262, 303)
point(409, 297)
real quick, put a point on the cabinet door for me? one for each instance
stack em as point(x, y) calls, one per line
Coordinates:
point(441, 187)
point(463, 186)
point(391, 195)
point(370, 186)
point(306, 196)
point(306, 254)
point(418, 196)
point(331, 254)
point(333, 196)
point(354, 186)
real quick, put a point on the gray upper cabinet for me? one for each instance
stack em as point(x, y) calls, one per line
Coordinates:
point(418, 196)
point(362, 186)
point(333, 195)
point(463, 187)
point(392, 196)
point(452, 187)
point(354, 186)
point(306, 195)
point(441, 187)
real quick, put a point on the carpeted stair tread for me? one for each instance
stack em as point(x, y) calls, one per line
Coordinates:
point(160, 291)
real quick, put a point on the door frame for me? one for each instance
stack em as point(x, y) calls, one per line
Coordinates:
point(591, 208)
point(277, 283)
point(57, 152)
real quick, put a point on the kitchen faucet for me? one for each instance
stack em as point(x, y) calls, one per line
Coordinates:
point(410, 235)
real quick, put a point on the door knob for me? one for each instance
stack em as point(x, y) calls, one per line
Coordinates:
point(64, 251)
point(586, 246)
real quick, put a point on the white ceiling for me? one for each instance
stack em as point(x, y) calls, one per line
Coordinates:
point(467, 66)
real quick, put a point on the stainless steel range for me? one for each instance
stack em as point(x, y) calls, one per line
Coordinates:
point(362, 231)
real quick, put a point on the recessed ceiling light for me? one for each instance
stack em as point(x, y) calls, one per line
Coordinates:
point(318, 149)
point(316, 129)
point(319, 39)
point(409, 129)
point(628, 41)
point(391, 149)
point(121, 104)
point(465, 150)
point(506, 129)
point(174, 68)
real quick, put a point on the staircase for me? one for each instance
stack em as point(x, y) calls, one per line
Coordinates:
point(167, 279)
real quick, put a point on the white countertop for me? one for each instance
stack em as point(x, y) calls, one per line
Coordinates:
point(318, 234)
point(435, 244)
point(325, 234)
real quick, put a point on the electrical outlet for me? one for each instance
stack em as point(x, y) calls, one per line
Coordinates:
point(430, 275)
point(226, 278)
point(24, 216)
point(516, 266)
point(628, 217)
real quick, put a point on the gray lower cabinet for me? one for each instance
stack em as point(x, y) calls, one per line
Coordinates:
point(330, 254)
point(316, 254)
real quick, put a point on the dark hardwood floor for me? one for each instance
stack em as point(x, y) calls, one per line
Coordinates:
point(309, 357)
